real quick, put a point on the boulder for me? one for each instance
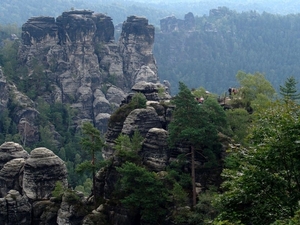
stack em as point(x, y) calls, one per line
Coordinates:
point(15, 209)
point(11, 150)
point(155, 150)
point(41, 172)
point(142, 120)
point(11, 176)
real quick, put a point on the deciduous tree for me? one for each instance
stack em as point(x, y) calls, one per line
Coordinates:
point(262, 181)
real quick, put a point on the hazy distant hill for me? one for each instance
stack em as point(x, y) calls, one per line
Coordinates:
point(225, 42)
point(16, 11)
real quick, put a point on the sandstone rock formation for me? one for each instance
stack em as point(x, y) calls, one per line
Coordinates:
point(15, 209)
point(83, 65)
point(171, 23)
point(11, 150)
point(155, 150)
point(3, 91)
point(42, 170)
point(26, 185)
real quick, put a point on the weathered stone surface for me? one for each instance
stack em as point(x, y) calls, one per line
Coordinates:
point(4, 94)
point(11, 176)
point(155, 150)
point(152, 91)
point(44, 212)
point(115, 95)
point(41, 172)
point(136, 42)
point(71, 211)
point(80, 58)
point(39, 29)
point(11, 150)
point(142, 120)
point(15, 209)
point(171, 23)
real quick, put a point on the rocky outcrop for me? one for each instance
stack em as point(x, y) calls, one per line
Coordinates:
point(155, 150)
point(171, 23)
point(4, 95)
point(41, 172)
point(136, 43)
point(141, 120)
point(152, 91)
point(11, 176)
point(83, 65)
point(15, 209)
point(26, 185)
point(10, 151)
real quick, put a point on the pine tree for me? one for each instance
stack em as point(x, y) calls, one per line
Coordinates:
point(289, 90)
point(197, 125)
point(92, 143)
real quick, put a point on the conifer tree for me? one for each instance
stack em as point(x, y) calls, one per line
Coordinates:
point(92, 143)
point(289, 90)
point(197, 125)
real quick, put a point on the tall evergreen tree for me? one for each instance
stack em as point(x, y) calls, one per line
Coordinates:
point(92, 143)
point(289, 90)
point(197, 125)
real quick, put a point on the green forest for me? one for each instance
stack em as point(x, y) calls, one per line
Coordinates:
point(261, 168)
point(225, 43)
point(255, 53)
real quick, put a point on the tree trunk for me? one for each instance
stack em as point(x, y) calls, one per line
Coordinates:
point(193, 175)
point(94, 182)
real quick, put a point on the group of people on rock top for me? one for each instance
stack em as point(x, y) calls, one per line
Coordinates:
point(231, 91)
point(201, 99)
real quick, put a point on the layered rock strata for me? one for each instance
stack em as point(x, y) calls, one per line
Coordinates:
point(26, 185)
point(83, 64)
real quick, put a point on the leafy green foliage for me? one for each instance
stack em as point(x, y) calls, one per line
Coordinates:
point(58, 190)
point(252, 87)
point(238, 120)
point(127, 148)
point(204, 212)
point(176, 174)
point(262, 182)
point(295, 220)
point(143, 191)
point(86, 187)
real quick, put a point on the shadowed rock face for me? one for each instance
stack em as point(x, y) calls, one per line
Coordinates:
point(41, 172)
point(26, 184)
point(3, 91)
point(11, 176)
point(155, 149)
point(15, 209)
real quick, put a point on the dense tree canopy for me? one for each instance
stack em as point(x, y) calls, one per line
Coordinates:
point(262, 181)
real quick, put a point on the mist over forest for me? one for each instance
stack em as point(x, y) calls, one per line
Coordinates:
point(17, 12)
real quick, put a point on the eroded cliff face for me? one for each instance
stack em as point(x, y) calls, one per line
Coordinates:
point(26, 184)
point(83, 66)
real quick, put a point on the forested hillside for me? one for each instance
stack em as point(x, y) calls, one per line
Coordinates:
point(225, 42)
point(17, 12)
point(200, 157)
